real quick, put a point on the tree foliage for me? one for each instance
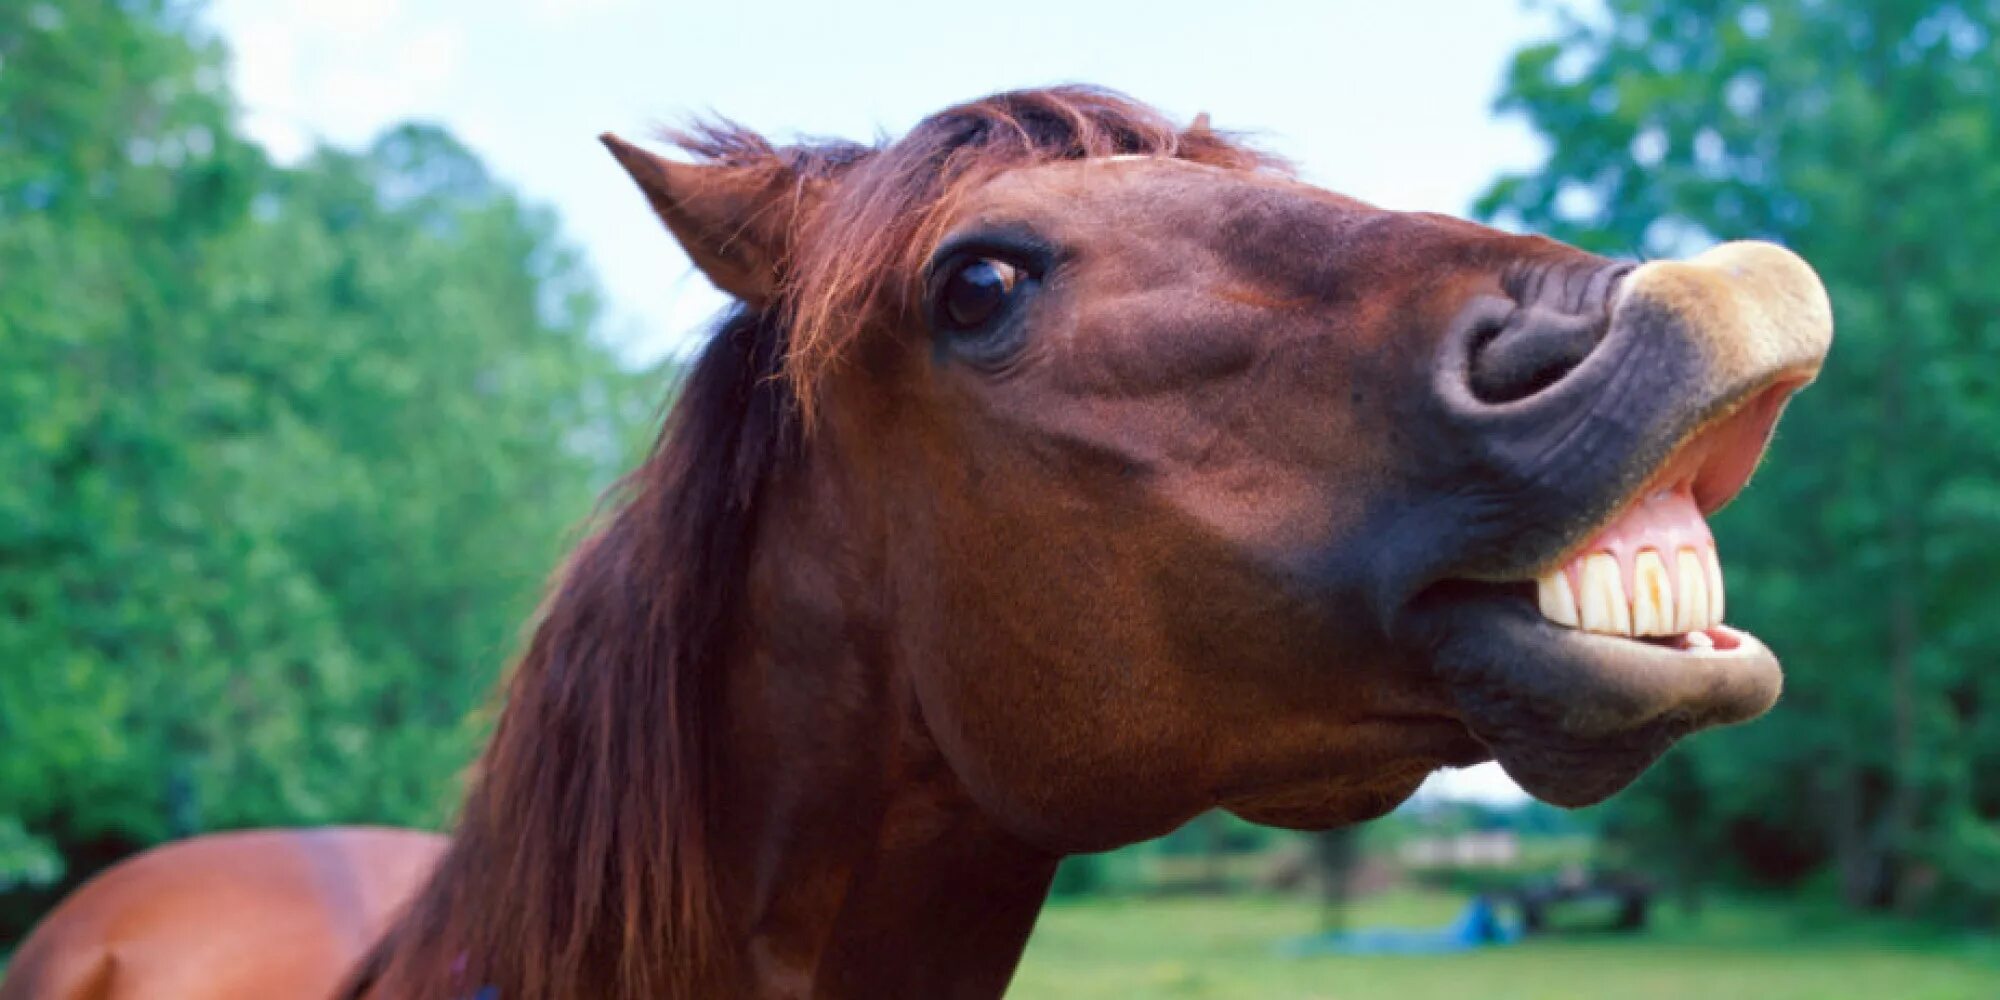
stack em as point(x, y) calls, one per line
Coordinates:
point(1865, 135)
point(285, 453)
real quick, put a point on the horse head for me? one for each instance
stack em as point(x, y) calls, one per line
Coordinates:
point(1195, 485)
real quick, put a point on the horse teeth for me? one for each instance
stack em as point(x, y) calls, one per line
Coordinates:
point(1691, 596)
point(1558, 601)
point(1713, 566)
point(1652, 596)
point(1666, 599)
point(1604, 606)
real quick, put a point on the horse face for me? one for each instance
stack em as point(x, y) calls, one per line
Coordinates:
point(1199, 487)
point(1236, 492)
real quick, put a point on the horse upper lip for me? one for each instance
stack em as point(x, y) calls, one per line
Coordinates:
point(1651, 567)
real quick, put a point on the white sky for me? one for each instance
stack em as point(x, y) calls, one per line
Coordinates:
point(1385, 100)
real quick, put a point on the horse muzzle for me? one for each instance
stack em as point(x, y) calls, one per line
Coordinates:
point(1579, 622)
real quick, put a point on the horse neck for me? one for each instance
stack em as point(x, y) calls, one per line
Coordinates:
point(852, 857)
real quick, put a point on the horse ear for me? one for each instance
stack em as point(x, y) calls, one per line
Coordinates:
point(734, 219)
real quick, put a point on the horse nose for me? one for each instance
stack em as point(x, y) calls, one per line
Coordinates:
point(1548, 329)
point(1531, 351)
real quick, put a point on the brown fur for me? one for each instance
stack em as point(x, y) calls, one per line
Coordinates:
point(220, 916)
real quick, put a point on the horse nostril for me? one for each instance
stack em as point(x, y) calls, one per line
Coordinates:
point(1530, 350)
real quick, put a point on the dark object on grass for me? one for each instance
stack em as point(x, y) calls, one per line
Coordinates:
point(1632, 896)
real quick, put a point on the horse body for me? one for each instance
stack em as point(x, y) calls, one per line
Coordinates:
point(1063, 473)
point(234, 915)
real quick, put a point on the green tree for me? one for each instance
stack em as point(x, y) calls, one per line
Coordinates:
point(1866, 135)
point(285, 453)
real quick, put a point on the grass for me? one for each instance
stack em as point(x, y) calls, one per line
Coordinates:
point(1223, 948)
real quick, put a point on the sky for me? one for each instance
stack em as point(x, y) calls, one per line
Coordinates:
point(1389, 101)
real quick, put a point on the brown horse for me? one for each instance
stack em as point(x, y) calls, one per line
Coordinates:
point(1062, 473)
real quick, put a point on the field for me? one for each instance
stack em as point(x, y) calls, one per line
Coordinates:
point(1223, 948)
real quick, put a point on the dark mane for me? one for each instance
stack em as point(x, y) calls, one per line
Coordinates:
point(580, 866)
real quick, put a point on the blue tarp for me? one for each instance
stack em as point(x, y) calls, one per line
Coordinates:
point(1479, 926)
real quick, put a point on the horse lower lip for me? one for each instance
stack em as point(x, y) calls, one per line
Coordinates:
point(1575, 715)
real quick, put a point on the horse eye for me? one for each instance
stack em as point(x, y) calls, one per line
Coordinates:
point(975, 292)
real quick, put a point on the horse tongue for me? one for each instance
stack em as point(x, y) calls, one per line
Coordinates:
point(1653, 571)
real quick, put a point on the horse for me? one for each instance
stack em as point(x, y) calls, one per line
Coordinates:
point(1060, 472)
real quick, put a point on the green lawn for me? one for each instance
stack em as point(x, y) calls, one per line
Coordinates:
point(1223, 948)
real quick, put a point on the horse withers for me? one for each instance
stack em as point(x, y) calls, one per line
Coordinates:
point(1061, 473)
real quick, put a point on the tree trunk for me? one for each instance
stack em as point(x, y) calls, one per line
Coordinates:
point(1872, 881)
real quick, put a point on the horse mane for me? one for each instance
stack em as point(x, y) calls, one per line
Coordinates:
point(580, 865)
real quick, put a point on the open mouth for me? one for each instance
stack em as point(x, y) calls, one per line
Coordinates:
point(1653, 574)
point(1579, 674)
point(1578, 649)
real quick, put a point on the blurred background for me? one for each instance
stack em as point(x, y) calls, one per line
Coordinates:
point(322, 324)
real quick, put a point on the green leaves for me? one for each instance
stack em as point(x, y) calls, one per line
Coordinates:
point(25, 860)
point(285, 454)
point(1862, 135)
